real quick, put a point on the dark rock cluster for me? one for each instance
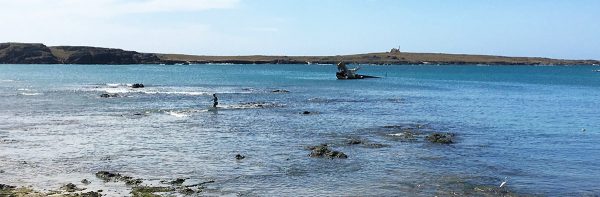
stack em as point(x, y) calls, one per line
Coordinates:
point(137, 85)
point(115, 177)
point(107, 95)
point(440, 138)
point(280, 91)
point(323, 151)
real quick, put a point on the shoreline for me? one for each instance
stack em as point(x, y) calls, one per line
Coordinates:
point(29, 53)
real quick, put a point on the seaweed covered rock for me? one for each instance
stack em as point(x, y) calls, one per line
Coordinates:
point(440, 138)
point(323, 151)
point(70, 187)
point(187, 191)
point(109, 176)
point(149, 190)
point(90, 194)
point(177, 181)
point(6, 187)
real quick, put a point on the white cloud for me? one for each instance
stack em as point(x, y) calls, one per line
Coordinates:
point(176, 5)
point(110, 7)
point(108, 23)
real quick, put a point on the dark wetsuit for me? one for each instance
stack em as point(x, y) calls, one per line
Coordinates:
point(215, 100)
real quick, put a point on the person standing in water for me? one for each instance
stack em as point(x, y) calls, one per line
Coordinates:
point(215, 100)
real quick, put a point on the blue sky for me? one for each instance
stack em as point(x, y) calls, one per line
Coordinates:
point(546, 28)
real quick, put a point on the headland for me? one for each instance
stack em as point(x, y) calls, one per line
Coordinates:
point(35, 53)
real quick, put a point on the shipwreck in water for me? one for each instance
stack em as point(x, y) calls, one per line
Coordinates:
point(345, 73)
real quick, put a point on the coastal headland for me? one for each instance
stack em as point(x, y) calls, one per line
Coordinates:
point(35, 53)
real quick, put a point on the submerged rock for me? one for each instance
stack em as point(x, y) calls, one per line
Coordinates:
point(440, 138)
point(376, 145)
point(354, 142)
point(280, 91)
point(324, 151)
point(255, 105)
point(149, 190)
point(364, 144)
point(85, 182)
point(177, 181)
point(106, 95)
point(416, 133)
point(239, 157)
point(131, 181)
point(187, 191)
point(413, 133)
point(70, 187)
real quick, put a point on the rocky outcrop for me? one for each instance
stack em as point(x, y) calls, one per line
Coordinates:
point(27, 53)
point(323, 151)
point(95, 55)
point(440, 138)
point(137, 85)
point(115, 177)
point(18, 53)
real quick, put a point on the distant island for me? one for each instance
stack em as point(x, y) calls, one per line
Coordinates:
point(31, 53)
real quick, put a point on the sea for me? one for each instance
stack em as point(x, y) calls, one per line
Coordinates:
point(535, 130)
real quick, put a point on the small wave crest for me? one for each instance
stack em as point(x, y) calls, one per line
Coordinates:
point(180, 93)
point(178, 114)
point(30, 94)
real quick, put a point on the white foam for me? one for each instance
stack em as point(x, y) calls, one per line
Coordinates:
point(115, 90)
point(113, 84)
point(182, 93)
point(397, 134)
point(178, 114)
point(30, 94)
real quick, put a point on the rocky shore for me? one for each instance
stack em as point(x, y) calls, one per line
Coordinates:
point(28, 53)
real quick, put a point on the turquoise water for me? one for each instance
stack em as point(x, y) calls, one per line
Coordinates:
point(536, 126)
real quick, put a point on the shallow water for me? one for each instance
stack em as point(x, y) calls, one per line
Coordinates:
point(537, 126)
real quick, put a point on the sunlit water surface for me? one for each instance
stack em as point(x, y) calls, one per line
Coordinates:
point(537, 126)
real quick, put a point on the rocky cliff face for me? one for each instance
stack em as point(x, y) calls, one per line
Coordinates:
point(18, 53)
point(94, 55)
point(23, 53)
